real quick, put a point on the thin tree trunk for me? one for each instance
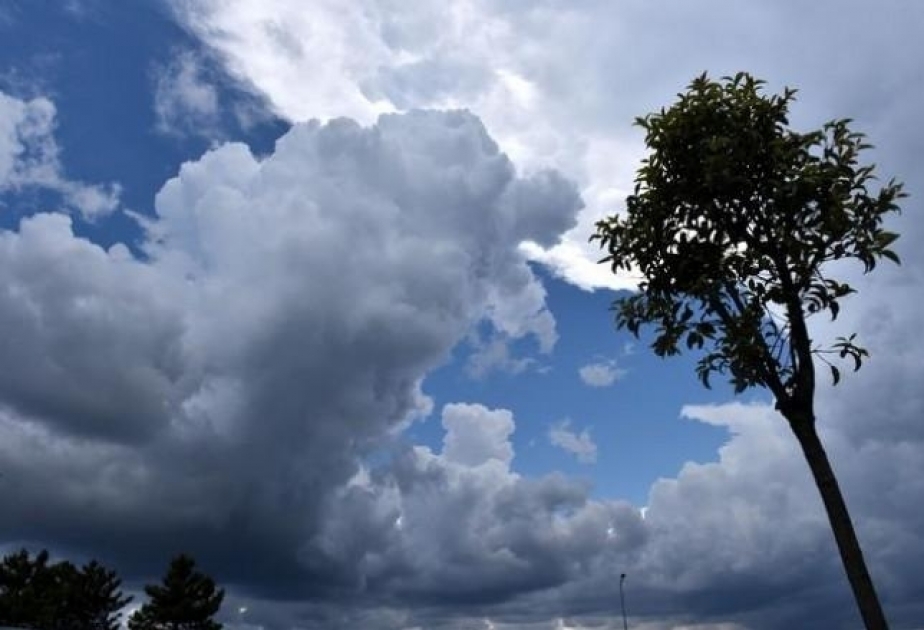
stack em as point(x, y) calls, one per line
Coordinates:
point(851, 555)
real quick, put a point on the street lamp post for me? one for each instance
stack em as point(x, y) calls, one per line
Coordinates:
point(622, 602)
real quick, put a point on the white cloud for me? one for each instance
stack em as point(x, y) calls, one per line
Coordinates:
point(312, 63)
point(543, 77)
point(29, 158)
point(601, 373)
point(475, 434)
point(495, 354)
point(382, 56)
point(470, 527)
point(184, 98)
point(578, 444)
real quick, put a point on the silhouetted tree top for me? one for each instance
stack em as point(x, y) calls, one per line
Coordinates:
point(732, 225)
point(185, 600)
point(59, 596)
point(24, 583)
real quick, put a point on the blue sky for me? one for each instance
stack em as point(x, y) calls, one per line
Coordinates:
point(363, 367)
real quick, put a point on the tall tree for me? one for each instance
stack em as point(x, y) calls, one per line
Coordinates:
point(36, 594)
point(25, 583)
point(733, 225)
point(93, 599)
point(185, 600)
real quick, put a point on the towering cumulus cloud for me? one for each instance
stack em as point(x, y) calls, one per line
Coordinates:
point(285, 310)
point(459, 528)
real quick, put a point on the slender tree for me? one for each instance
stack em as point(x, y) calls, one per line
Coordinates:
point(733, 225)
point(185, 600)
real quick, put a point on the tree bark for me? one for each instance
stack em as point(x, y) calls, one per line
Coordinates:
point(851, 555)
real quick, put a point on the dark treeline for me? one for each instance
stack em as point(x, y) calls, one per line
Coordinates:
point(42, 595)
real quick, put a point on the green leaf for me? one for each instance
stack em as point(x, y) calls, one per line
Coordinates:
point(884, 239)
point(694, 339)
point(888, 253)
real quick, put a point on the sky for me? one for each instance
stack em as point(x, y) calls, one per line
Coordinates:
point(304, 288)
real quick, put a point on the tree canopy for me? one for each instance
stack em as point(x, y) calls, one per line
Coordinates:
point(186, 600)
point(58, 596)
point(738, 225)
point(733, 222)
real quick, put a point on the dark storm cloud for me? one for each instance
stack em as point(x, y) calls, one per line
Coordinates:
point(436, 537)
point(478, 535)
point(213, 396)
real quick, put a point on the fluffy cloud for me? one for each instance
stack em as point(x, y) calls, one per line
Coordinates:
point(553, 81)
point(460, 527)
point(383, 56)
point(192, 96)
point(184, 98)
point(601, 373)
point(750, 528)
point(29, 158)
point(475, 435)
point(94, 343)
point(581, 445)
point(221, 388)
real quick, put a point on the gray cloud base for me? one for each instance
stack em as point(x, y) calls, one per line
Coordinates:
point(215, 394)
